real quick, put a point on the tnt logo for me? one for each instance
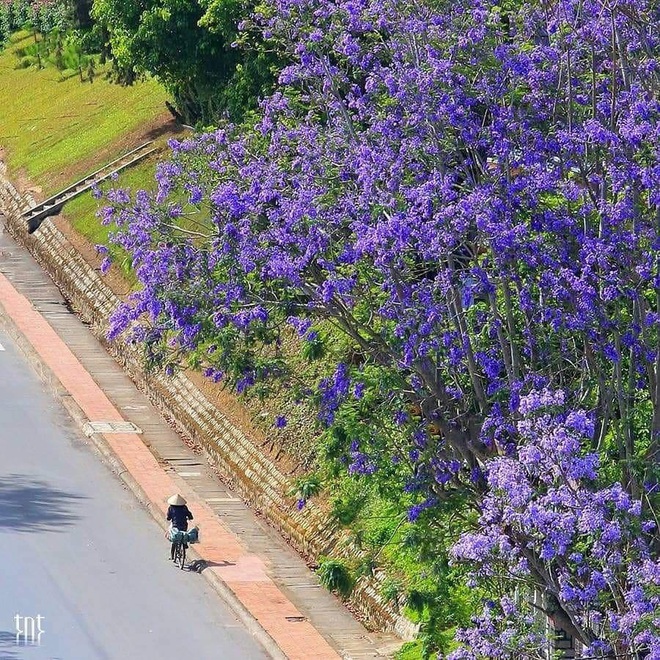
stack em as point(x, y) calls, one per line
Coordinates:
point(29, 630)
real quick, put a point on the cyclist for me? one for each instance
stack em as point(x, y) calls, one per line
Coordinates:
point(178, 514)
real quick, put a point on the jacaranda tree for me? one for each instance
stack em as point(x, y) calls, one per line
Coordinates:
point(470, 191)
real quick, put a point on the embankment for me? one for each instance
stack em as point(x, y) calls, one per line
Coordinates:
point(242, 462)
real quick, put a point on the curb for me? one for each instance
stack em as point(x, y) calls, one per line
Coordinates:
point(119, 469)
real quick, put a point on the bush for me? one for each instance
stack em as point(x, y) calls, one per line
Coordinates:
point(306, 487)
point(346, 506)
point(336, 576)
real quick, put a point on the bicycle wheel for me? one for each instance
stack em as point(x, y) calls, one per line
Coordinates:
point(178, 549)
point(183, 555)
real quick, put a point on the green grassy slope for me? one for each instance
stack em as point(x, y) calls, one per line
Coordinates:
point(49, 122)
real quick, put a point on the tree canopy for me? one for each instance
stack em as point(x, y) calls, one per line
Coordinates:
point(190, 46)
point(469, 192)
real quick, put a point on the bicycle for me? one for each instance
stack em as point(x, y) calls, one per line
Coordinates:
point(180, 540)
point(180, 553)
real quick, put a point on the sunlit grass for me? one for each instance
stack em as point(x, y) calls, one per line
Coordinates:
point(50, 122)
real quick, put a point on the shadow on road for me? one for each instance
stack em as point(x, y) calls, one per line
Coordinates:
point(8, 645)
point(32, 505)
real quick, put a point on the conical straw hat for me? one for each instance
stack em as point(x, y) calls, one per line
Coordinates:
point(176, 500)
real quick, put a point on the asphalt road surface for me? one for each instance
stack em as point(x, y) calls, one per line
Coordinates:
point(79, 552)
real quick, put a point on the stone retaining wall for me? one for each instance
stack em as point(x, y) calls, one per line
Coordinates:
point(249, 471)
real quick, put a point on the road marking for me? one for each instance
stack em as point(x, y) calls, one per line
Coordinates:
point(110, 427)
point(2, 348)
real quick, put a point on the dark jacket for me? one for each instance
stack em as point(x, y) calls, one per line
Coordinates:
point(179, 515)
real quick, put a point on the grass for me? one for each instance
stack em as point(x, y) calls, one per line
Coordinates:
point(410, 651)
point(81, 213)
point(51, 122)
point(55, 129)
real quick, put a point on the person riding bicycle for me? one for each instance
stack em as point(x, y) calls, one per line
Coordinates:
point(178, 514)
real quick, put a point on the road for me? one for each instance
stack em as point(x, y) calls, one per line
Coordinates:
point(77, 550)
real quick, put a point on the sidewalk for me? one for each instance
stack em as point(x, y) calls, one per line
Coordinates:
point(261, 578)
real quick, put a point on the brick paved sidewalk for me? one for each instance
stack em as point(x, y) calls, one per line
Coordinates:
point(227, 558)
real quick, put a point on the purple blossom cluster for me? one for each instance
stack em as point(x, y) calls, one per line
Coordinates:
point(471, 196)
point(544, 518)
point(500, 632)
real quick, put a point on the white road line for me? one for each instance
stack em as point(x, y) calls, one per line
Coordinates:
point(2, 348)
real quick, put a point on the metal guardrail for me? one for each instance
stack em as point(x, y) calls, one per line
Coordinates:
point(35, 215)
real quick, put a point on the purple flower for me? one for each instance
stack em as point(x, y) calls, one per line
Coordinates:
point(475, 230)
point(280, 422)
point(416, 510)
